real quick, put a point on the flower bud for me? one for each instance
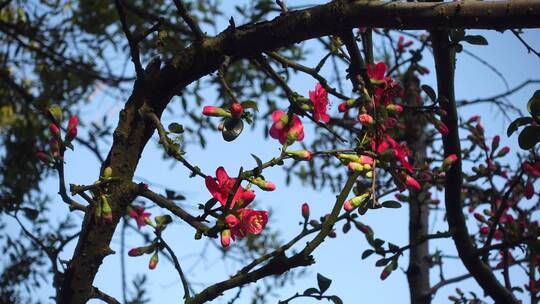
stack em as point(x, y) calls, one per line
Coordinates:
point(301, 154)
point(107, 173)
point(332, 234)
point(153, 261)
point(55, 147)
point(225, 238)
point(73, 122)
point(138, 251)
point(55, 131)
point(71, 134)
point(353, 166)
point(495, 142)
point(529, 190)
point(236, 110)
point(342, 107)
point(448, 161)
point(413, 183)
point(394, 108)
point(355, 202)
point(366, 119)
point(263, 184)
point(42, 156)
point(484, 230)
point(503, 151)
point(305, 211)
point(106, 211)
point(215, 112)
point(479, 217)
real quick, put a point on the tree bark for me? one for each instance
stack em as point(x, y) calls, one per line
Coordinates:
point(419, 264)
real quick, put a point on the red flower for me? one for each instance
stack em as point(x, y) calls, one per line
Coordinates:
point(220, 190)
point(365, 119)
point(249, 221)
point(137, 213)
point(282, 132)
point(319, 97)
point(376, 72)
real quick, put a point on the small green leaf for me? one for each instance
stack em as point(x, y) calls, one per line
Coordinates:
point(311, 291)
point(518, 122)
point(429, 92)
point(176, 128)
point(367, 253)
point(323, 282)
point(336, 300)
point(250, 104)
point(393, 247)
point(529, 137)
point(533, 106)
point(475, 39)
point(391, 204)
point(30, 213)
point(259, 164)
point(382, 262)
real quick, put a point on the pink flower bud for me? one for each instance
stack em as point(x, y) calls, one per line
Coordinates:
point(479, 217)
point(42, 156)
point(449, 160)
point(55, 147)
point(413, 183)
point(495, 142)
point(354, 166)
point(232, 220)
point(503, 151)
point(153, 261)
point(384, 274)
point(441, 126)
point(215, 111)
point(71, 134)
point(141, 250)
point(529, 190)
point(73, 122)
point(55, 131)
point(236, 110)
point(484, 230)
point(366, 119)
point(305, 211)
point(225, 238)
point(301, 154)
point(342, 107)
point(395, 108)
point(263, 184)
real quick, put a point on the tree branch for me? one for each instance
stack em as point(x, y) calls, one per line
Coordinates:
point(444, 64)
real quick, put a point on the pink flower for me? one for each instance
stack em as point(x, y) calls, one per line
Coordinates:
point(248, 221)
point(252, 221)
point(282, 132)
point(376, 72)
point(319, 98)
point(139, 215)
point(220, 190)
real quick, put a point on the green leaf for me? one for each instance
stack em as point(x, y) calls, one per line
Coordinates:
point(336, 300)
point(533, 106)
point(529, 137)
point(259, 164)
point(382, 262)
point(391, 204)
point(518, 122)
point(30, 213)
point(323, 282)
point(311, 291)
point(429, 92)
point(367, 253)
point(393, 247)
point(176, 128)
point(250, 104)
point(162, 220)
point(475, 39)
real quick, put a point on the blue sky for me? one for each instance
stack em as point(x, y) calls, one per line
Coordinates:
point(354, 280)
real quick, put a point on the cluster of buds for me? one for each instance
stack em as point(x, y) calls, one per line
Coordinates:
point(102, 211)
point(57, 144)
point(153, 248)
point(402, 44)
point(358, 163)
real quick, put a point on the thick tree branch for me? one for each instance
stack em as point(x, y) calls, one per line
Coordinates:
point(444, 64)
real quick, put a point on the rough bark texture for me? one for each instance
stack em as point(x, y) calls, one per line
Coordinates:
point(444, 64)
point(133, 132)
point(418, 270)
